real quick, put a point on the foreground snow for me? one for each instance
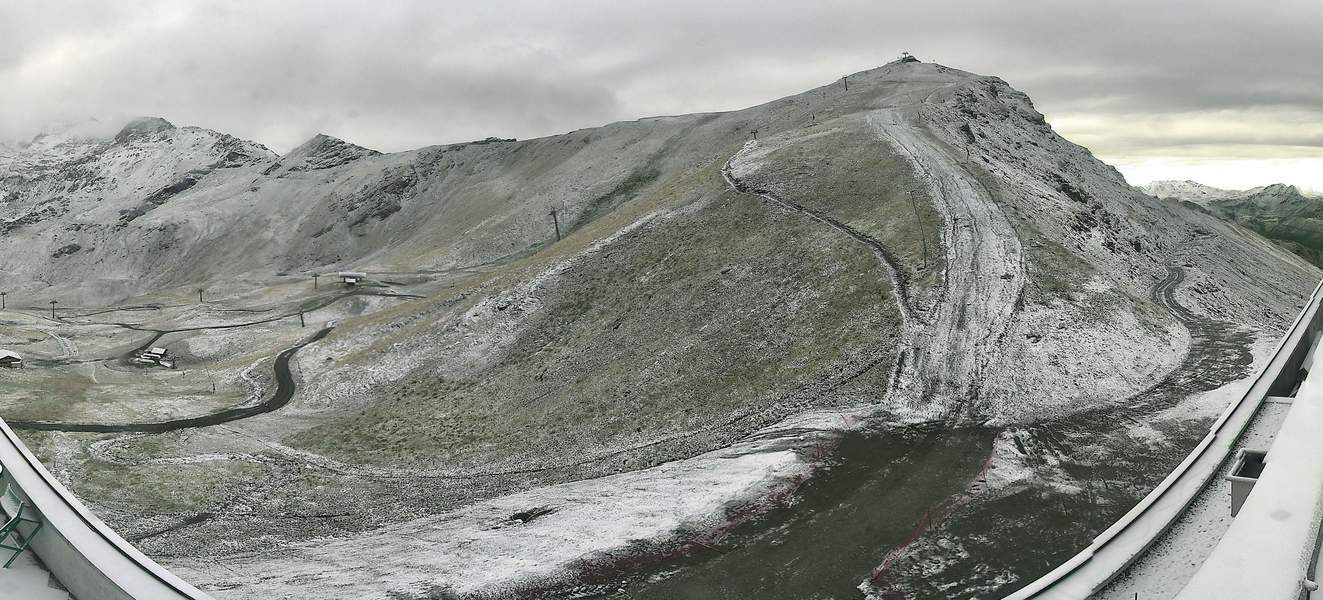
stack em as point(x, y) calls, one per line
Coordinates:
point(486, 548)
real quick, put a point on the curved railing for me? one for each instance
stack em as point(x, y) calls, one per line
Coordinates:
point(86, 556)
point(1117, 547)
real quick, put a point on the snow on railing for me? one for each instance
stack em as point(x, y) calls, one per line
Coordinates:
point(1120, 545)
point(85, 555)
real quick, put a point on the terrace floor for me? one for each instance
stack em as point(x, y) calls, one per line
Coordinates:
point(1166, 567)
point(29, 580)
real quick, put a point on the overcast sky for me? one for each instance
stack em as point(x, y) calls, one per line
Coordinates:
point(1227, 93)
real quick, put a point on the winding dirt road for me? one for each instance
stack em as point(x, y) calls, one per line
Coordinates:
point(1219, 354)
point(285, 388)
point(946, 349)
point(953, 345)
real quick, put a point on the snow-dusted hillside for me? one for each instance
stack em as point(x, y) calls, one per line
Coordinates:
point(155, 206)
point(102, 213)
point(910, 246)
point(1280, 212)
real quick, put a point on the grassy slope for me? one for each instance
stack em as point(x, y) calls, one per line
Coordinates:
point(715, 317)
point(690, 331)
point(868, 188)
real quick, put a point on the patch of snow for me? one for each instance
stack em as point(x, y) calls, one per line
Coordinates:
point(480, 549)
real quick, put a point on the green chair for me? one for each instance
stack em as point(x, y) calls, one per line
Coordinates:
point(11, 538)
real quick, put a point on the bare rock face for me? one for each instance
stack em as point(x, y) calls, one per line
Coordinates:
point(143, 127)
point(320, 152)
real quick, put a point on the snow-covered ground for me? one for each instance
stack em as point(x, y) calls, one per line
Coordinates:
point(1166, 567)
point(488, 548)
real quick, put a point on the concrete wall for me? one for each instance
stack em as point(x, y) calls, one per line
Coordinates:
point(1266, 552)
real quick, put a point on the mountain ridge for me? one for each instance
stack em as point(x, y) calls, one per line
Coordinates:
point(1281, 213)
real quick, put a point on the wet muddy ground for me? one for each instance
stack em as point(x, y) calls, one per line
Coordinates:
point(903, 511)
point(841, 524)
point(1090, 469)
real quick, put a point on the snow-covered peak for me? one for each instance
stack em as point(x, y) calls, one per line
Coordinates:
point(321, 152)
point(1199, 193)
point(143, 143)
point(1188, 190)
point(142, 126)
point(1277, 196)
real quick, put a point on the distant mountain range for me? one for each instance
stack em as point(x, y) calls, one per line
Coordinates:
point(1192, 191)
point(1279, 212)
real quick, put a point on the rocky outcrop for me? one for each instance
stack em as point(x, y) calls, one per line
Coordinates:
point(320, 152)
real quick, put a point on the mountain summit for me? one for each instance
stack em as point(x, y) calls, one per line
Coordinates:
point(143, 126)
point(321, 152)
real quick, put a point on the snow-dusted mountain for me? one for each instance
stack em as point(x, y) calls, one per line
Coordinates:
point(155, 205)
point(1192, 191)
point(914, 243)
point(1281, 213)
point(81, 212)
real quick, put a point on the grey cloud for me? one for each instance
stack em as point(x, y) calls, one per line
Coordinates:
point(396, 75)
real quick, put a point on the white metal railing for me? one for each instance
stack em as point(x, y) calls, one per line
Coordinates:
point(85, 555)
point(1120, 545)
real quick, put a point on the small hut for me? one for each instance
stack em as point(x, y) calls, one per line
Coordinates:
point(155, 356)
point(156, 353)
point(352, 277)
point(10, 359)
